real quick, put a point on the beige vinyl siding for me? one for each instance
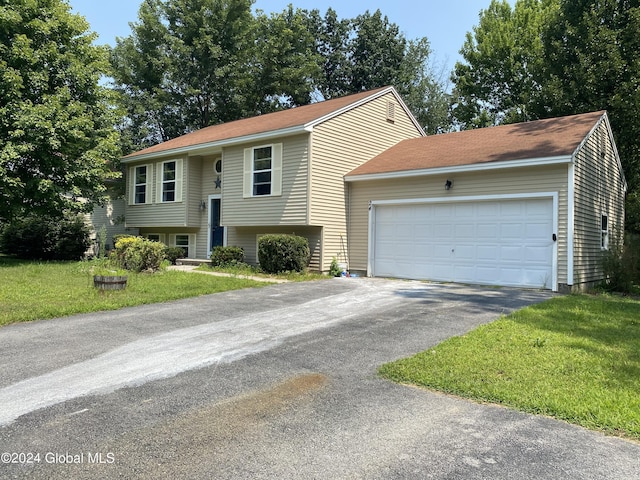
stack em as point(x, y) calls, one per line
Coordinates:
point(498, 182)
point(289, 208)
point(158, 214)
point(599, 190)
point(111, 216)
point(338, 146)
point(207, 187)
point(247, 238)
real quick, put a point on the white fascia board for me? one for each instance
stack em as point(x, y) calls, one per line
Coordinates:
point(214, 147)
point(475, 167)
point(362, 101)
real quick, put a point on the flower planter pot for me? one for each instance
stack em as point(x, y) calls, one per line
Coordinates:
point(110, 282)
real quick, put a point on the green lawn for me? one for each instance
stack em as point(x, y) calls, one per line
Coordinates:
point(249, 270)
point(575, 358)
point(33, 290)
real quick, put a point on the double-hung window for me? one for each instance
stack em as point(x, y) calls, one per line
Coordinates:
point(140, 184)
point(169, 181)
point(262, 170)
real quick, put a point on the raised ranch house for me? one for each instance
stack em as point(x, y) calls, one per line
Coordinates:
point(532, 204)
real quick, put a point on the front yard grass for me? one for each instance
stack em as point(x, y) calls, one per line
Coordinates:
point(575, 358)
point(245, 270)
point(41, 290)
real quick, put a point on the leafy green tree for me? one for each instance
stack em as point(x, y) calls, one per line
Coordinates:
point(377, 52)
point(423, 88)
point(548, 58)
point(185, 66)
point(501, 79)
point(591, 52)
point(332, 44)
point(57, 141)
point(286, 62)
point(369, 52)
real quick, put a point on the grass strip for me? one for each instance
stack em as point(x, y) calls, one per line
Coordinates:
point(575, 358)
point(41, 290)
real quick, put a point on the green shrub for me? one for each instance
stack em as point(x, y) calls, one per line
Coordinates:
point(283, 253)
point(46, 238)
point(334, 269)
point(621, 265)
point(227, 256)
point(138, 254)
point(172, 254)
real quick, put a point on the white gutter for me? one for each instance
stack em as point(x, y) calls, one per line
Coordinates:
point(476, 167)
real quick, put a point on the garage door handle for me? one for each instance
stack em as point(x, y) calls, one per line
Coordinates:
point(554, 237)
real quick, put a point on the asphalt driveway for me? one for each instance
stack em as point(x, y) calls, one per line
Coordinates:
point(277, 382)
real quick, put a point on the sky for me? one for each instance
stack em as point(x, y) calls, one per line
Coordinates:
point(444, 23)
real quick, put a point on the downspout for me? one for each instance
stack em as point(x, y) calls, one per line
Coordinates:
point(570, 220)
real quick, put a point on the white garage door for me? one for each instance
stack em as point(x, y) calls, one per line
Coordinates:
point(505, 242)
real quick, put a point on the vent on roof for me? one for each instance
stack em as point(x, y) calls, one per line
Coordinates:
point(391, 111)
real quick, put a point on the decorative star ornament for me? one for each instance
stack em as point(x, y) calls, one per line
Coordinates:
point(218, 182)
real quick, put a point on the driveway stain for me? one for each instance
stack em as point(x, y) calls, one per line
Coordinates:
point(196, 443)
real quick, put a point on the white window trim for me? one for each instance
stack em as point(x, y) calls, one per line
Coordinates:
point(604, 232)
point(276, 171)
point(132, 185)
point(160, 181)
point(191, 247)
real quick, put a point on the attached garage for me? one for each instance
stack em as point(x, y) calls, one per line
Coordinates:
point(505, 241)
point(527, 205)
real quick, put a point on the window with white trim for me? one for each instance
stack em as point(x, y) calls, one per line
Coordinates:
point(169, 181)
point(604, 233)
point(182, 241)
point(141, 176)
point(263, 171)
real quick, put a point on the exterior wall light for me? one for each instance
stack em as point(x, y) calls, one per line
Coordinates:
point(448, 184)
point(203, 205)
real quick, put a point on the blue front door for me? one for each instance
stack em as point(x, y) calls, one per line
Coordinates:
point(217, 232)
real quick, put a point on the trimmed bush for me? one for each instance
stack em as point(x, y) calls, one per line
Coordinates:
point(138, 254)
point(283, 253)
point(227, 256)
point(46, 238)
point(173, 254)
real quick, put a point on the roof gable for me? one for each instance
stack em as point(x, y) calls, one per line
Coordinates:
point(296, 119)
point(549, 138)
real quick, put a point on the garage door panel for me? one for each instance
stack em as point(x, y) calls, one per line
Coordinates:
point(512, 230)
point(536, 254)
point(505, 242)
point(488, 253)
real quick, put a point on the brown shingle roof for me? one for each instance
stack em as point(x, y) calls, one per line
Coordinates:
point(294, 117)
point(521, 141)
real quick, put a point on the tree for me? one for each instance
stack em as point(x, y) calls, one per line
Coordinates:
point(369, 52)
point(377, 52)
point(185, 66)
point(57, 141)
point(502, 77)
point(570, 56)
point(422, 89)
point(286, 63)
point(332, 44)
point(591, 52)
